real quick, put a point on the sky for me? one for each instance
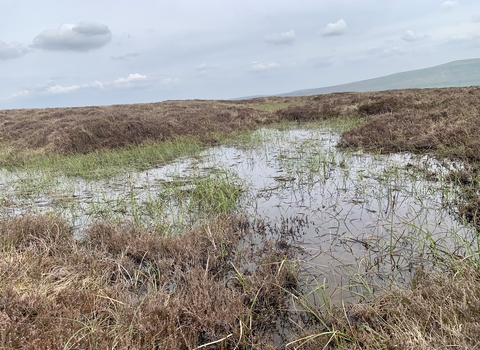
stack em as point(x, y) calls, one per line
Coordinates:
point(81, 52)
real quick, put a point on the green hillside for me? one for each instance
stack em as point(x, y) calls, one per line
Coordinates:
point(453, 74)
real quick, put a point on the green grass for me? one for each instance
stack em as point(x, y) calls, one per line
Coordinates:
point(110, 163)
point(216, 194)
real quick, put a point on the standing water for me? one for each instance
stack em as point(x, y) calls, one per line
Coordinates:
point(361, 220)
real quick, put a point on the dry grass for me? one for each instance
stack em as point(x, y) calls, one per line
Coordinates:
point(87, 129)
point(441, 311)
point(125, 288)
point(442, 120)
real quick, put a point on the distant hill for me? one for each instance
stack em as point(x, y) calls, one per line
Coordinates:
point(453, 74)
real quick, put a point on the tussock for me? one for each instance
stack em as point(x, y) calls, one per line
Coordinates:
point(87, 129)
point(440, 311)
point(126, 288)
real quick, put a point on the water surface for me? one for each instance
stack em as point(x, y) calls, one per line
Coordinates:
point(361, 220)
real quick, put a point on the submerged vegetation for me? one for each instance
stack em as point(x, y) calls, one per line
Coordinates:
point(101, 251)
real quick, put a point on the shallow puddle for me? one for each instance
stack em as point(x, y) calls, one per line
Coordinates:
point(361, 220)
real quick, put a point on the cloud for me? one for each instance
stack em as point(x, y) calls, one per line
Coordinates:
point(14, 50)
point(85, 36)
point(51, 88)
point(281, 38)
point(410, 35)
point(448, 5)
point(476, 18)
point(205, 68)
point(257, 66)
point(125, 57)
point(131, 77)
point(98, 84)
point(333, 29)
point(57, 89)
point(459, 37)
point(18, 94)
point(132, 81)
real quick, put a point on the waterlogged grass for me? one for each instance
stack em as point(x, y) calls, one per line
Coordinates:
point(168, 201)
point(180, 204)
point(110, 163)
point(215, 194)
point(267, 137)
point(394, 220)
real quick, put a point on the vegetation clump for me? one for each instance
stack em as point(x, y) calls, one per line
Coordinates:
point(123, 287)
point(440, 311)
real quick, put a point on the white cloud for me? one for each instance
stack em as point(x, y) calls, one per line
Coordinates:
point(448, 5)
point(410, 35)
point(459, 37)
point(476, 18)
point(333, 29)
point(85, 36)
point(131, 77)
point(281, 38)
point(257, 66)
point(98, 84)
point(14, 50)
point(18, 94)
point(57, 89)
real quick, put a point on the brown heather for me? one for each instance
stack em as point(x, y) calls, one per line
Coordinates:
point(441, 311)
point(125, 288)
point(440, 120)
point(86, 129)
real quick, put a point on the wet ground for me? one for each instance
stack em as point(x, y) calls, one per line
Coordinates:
point(362, 221)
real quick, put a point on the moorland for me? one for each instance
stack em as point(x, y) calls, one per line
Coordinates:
point(225, 281)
